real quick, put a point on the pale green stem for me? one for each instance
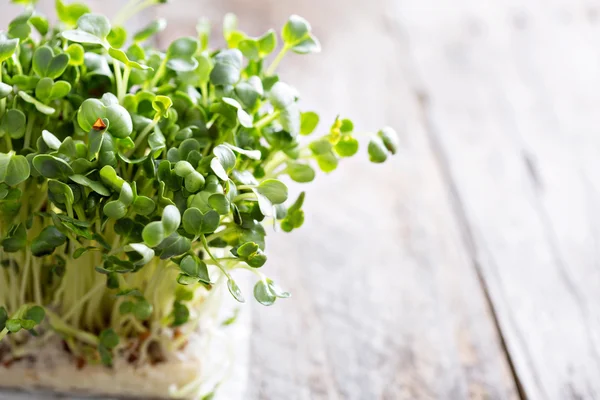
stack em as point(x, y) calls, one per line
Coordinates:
point(266, 120)
point(205, 94)
point(159, 73)
point(29, 130)
point(82, 301)
point(8, 141)
point(118, 79)
point(126, 73)
point(2, 101)
point(217, 263)
point(277, 60)
point(144, 133)
point(245, 196)
point(219, 234)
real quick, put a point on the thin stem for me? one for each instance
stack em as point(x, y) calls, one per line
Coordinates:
point(266, 120)
point(217, 263)
point(30, 123)
point(277, 60)
point(118, 79)
point(2, 101)
point(82, 300)
point(219, 234)
point(246, 187)
point(245, 196)
point(204, 89)
point(145, 132)
point(159, 73)
point(126, 73)
point(7, 140)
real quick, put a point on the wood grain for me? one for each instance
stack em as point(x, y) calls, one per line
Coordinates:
point(509, 91)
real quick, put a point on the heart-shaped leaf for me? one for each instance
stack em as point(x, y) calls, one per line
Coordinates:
point(120, 123)
point(46, 64)
point(47, 90)
point(197, 223)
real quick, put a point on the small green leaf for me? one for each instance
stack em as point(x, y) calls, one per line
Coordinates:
point(161, 105)
point(297, 36)
point(14, 169)
point(274, 190)
point(120, 55)
point(44, 109)
point(263, 294)
point(70, 13)
point(142, 310)
point(7, 48)
point(224, 161)
point(91, 28)
point(308, 122)
point(155, 232)
point(146, 254)
point(180, 54)
point(76, 54)
point(16, 241)
point(3, 318)
point(51, 140)
point(109, 338)
point(117, 37)
point(46, 64)
point(377, 150)
point(267, 43)
point(150, 30)
point(347, 146)
point(13, 325)
point(48, 240)
point(120, 123)
point(390, 139)
point(5, 90)
point(242, 116)
point(36, 314)
point(13, 123)
point(235, 291)
point(95, 186)
point(301, 173)
point(197, 223)
point(52, 167)
point(227, 67)
point(295, 30)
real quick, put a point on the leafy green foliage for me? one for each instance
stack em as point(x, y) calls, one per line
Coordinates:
point(135, 180)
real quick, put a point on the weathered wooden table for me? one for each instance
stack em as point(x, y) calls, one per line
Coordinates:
point(467, 267)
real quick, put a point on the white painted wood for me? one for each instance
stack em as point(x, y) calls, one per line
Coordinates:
point(511, 93)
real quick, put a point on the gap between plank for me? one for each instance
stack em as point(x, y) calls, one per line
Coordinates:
point(459, 211)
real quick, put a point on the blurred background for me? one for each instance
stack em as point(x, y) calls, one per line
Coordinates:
point(467, 267)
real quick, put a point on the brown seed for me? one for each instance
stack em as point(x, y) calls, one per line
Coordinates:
point(99, 125)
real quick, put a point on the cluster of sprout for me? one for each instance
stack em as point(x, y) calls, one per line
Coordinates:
point(132, 180)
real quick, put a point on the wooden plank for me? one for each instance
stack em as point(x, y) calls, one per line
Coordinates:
point(510, 90)
point(386, 302)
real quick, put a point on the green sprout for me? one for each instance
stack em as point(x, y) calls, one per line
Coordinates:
point(134, 181)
